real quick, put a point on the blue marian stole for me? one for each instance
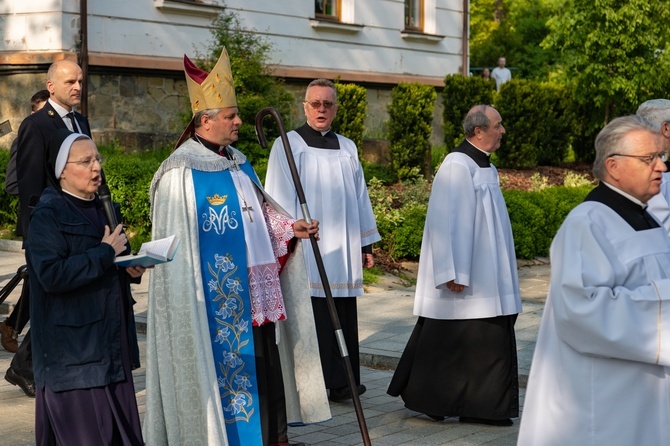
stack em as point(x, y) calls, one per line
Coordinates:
point(223, 257)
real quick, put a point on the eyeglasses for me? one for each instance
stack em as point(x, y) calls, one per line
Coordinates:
point(317, 104)
point(647, 159)
point(88, 162)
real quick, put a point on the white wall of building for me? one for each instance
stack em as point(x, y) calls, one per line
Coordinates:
point(371, 42)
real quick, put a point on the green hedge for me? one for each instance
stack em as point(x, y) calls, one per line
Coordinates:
point(400, 212)
point(352, 107)
point(535, 216)
point(542, 120)
point(537, 121)
point(129, 177)
point(460, 94)
point(410, 127)
point(9, 205)
point(400, 209)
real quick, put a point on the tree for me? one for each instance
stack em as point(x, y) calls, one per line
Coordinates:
point(255, 86)
point(615, 55)
point(513, 29)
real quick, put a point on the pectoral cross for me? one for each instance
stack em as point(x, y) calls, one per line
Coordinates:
point(248, 210)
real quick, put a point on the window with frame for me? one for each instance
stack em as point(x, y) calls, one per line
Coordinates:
point(329, 9)
point(414, 15)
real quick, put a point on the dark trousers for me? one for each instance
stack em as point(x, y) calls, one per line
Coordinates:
point(334, 372)
point(272, 399)
point(21, 313)
point(22, 362)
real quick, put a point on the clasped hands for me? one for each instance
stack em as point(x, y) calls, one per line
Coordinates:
point(118, 241)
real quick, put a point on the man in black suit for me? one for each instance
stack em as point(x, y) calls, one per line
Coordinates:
point(12, 326)
point(64, 82)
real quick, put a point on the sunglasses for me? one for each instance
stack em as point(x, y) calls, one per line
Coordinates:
point(317, 104)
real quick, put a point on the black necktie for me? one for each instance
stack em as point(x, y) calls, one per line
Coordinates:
point(74, 123)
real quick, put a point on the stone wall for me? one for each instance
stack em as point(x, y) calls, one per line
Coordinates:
point(145, 112)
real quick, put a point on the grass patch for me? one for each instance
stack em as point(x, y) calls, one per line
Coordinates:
point(371, 275)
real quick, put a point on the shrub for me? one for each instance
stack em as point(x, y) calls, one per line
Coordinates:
point(351, 110)
point(383, 173)
point(406, 242)
point(400, 212)
point(537, 122)
point(536, 216)
point(9, 204)
point(460, 94)
point(526, 219)
point(576, 180)
point(538, 182)
point(410, 126)
point(129, 177)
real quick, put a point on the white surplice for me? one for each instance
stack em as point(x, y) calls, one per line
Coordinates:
point(599, 374)
point(467, 238)
point(337, 197)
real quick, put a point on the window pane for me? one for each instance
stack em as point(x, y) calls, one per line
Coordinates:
point(326, 7)
point(413, 13)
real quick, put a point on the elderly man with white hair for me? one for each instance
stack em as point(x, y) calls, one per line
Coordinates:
point(599, 375)
point(657, 111)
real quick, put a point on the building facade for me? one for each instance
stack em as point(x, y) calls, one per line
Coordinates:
point(132, 52)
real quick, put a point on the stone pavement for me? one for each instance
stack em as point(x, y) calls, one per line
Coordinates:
point(385, 323)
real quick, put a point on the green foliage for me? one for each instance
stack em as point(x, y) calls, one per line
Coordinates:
point(576, 180)
point(537, 118)
point(615, 53)
point(129, 177)
point(400, 212)
point(371, 275)
point(408, 235)
point(536, 216)
point(9, 205)
point(460, 95)
point(512, 29)
point(381, 172)
point(410, 126)
point(526, 218)
point(351, 111)
point(255, 87)
point(539, 182)
point(437, 155)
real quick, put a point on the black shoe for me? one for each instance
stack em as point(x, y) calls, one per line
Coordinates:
point(344, 393)
point(503, 422)
point(27, 385)
point(436, 417)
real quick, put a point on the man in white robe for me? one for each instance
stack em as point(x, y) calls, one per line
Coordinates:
point(231, 350)
point(337, 196)
point(657, 111)
point(461, 357)
point(600, 372)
